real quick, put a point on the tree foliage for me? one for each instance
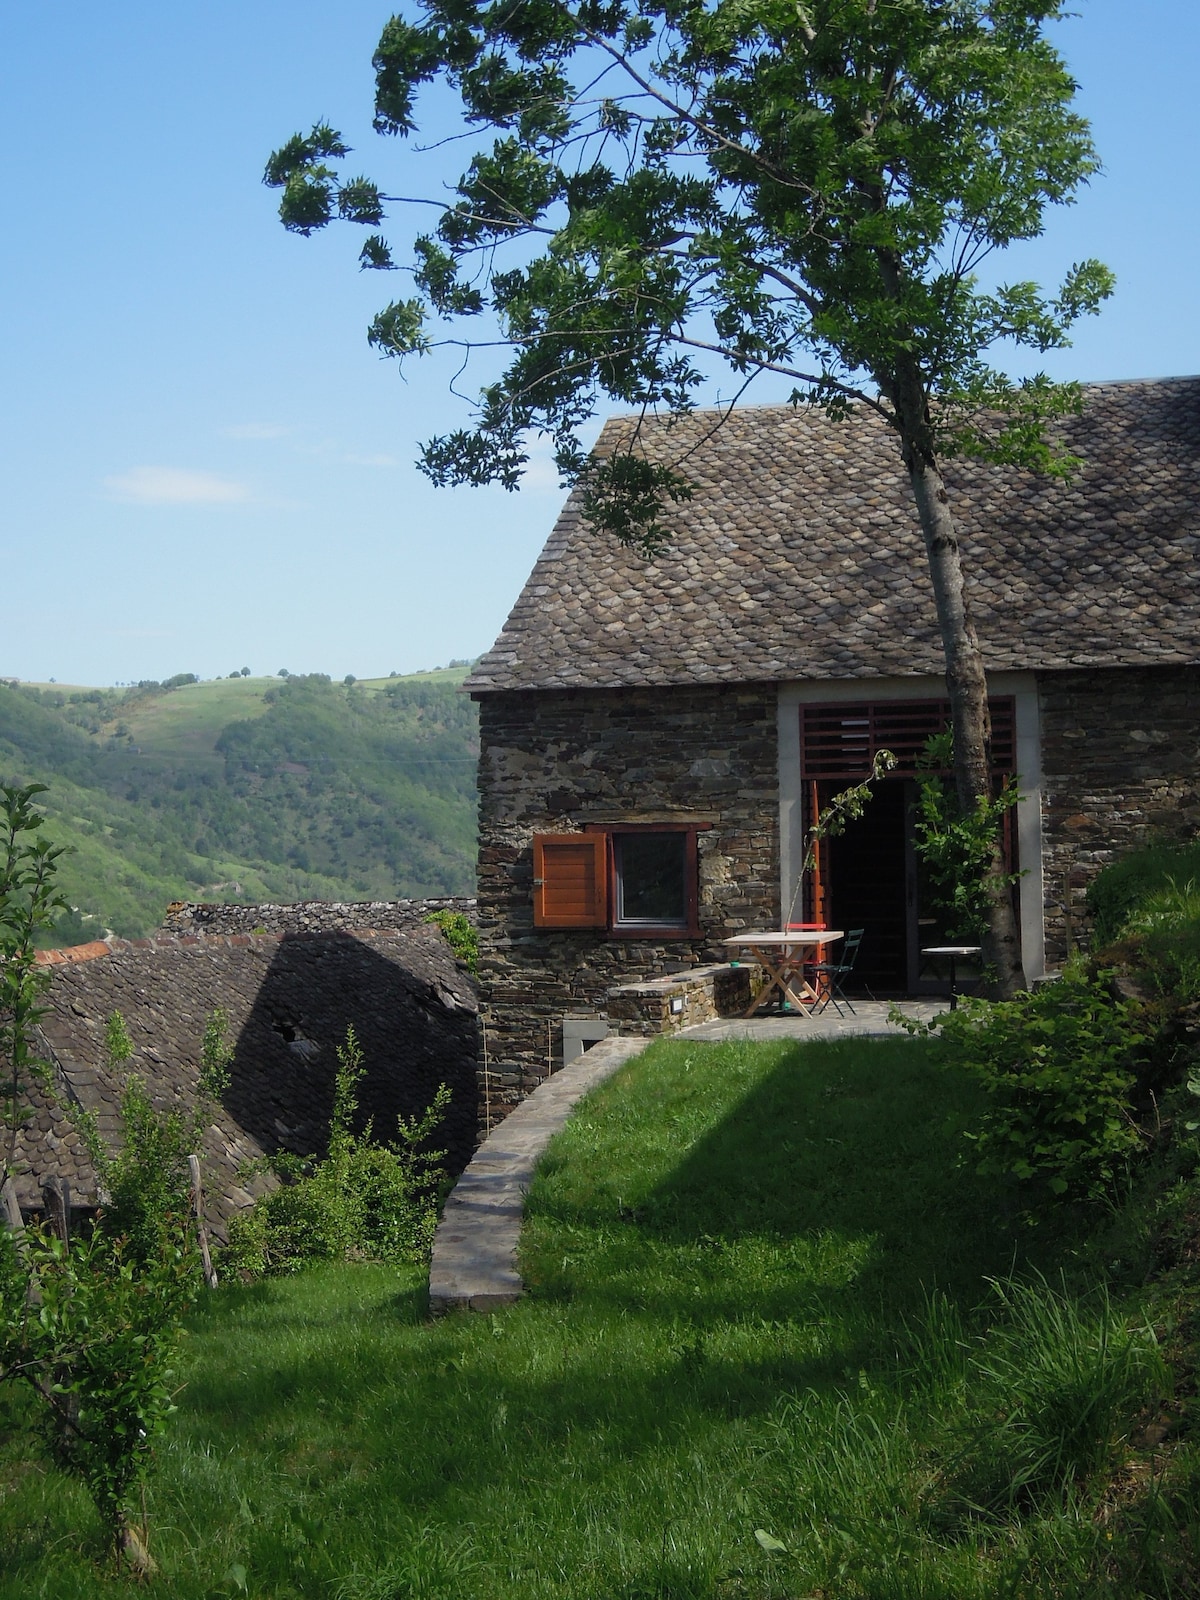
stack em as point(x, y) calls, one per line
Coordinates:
point(29, 903)
point(954, 847)
point(673, 186)
point(331, 793)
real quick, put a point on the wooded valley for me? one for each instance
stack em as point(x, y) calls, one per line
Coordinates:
point(250, 789)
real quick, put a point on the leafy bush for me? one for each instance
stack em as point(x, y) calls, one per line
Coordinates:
point(1059, 1067)
point(1116, 892)
point(363, 1201)
point(461, 935)
point(95, 1333)
point(955, 848)
point(148, 1181)
point(1056, 1387)
point(1165, 933)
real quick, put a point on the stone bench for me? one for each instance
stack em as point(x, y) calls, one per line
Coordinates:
point(681, 1000)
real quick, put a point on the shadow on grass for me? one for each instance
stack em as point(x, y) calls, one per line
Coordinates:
point(838, 1187)
point(802, 1224)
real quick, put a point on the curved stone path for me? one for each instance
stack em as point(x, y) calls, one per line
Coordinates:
point(474, 1264)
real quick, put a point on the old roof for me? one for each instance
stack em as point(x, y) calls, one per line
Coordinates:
point(288, 999)
point(800, 556)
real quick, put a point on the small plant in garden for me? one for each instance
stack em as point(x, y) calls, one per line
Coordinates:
point(1059, 1067)
point(1055, 1389)
point(954, 847)
point(29, 904)
point(461, 935)
point(148, 1182)
point(1165, 932)
point(363, 1200)
point(1124, 886)
point(837, 813)
point(94, 1326)
point(95, 1332)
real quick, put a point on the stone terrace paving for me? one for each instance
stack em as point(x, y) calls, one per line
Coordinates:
point(474, 1264)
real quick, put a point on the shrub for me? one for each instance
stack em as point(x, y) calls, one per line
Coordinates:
point(1059, 1066)
point(1164, 930)
point(365, 1200)
point(461, 935)
point(99, 1351)
point(955, 848)
point(148, 1181)
point(1117, 891)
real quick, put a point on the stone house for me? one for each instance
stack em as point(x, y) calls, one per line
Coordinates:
point(657, 736)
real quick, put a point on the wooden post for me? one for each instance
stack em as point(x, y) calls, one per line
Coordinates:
point(210, 1276)
point(56, 1201)
point(12, 1209)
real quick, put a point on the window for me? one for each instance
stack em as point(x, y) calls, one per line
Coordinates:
point(635, 879)
point(649, 875)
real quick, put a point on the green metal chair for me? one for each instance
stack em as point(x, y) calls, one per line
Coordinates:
point(830, 976)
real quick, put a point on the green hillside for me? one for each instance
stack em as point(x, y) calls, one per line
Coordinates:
point(248, 789)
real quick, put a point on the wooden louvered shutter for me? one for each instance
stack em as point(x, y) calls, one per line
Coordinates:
point(570, 880)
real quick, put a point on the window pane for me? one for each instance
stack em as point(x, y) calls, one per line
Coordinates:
point(651, 878)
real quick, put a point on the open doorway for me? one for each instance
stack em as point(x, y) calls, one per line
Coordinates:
point(870, 876)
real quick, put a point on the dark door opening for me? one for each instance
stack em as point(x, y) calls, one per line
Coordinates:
point(866, 886)
point(870, 876)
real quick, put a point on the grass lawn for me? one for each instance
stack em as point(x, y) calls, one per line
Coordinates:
point(759, 1287)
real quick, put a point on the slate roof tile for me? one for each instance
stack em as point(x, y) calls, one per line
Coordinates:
point(800, 556)
point(288, 1000)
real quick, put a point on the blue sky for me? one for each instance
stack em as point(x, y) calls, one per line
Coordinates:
point(205, 467)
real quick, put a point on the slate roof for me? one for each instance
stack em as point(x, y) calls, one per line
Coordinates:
point(288, 999)
point(800, 556)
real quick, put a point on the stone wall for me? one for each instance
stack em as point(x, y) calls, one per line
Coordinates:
point(552, 762)
point(1120, 764)
point(308, 916)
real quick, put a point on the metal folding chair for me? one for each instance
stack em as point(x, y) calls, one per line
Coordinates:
point(830, 976)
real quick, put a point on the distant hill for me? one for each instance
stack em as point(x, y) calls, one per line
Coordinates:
point(248, 789)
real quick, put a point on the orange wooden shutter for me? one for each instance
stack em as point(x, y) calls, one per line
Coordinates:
point(570, 880)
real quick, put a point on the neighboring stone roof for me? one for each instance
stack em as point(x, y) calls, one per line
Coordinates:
point(800, 556)
point(288, 999)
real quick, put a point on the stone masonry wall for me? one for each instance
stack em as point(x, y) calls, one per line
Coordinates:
point(307, 916)
point(552, 762)
point(1120, 764)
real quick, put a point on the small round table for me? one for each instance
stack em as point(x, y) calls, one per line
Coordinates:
point(953, 953)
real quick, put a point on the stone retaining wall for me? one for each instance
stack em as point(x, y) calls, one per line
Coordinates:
point(666, 1005)
point(308, 916)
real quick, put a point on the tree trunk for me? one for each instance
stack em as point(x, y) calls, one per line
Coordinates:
point(965, 680)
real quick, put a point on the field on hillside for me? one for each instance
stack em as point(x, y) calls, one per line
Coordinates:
point(781, 1343)
point(248, 789)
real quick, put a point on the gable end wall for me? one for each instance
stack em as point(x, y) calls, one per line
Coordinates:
point(554, 761)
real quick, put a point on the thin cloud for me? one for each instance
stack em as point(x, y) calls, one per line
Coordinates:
point(173, 486)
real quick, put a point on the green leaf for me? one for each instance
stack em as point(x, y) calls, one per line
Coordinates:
point(769, 1542)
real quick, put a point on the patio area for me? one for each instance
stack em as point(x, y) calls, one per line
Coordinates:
point(868, 1017)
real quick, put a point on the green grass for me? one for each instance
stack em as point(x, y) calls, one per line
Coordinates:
point(185, 724)
point(760, 1305)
